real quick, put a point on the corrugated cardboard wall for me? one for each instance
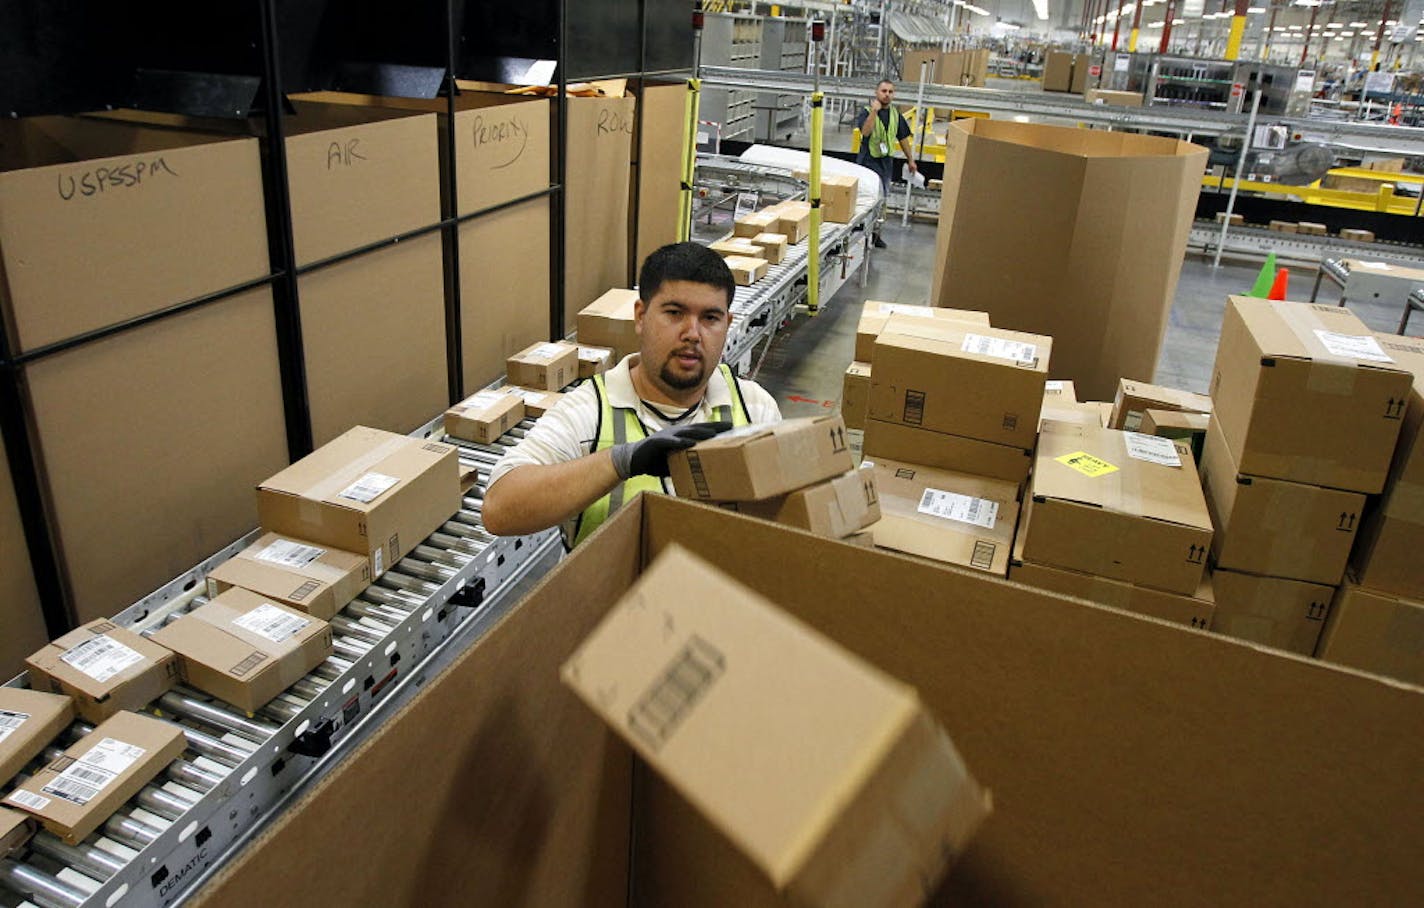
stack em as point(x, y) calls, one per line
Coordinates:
point(21, 623)
point(596, 200)
point(657, 170)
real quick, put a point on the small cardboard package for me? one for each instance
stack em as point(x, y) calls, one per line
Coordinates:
point(1376, 632)
point(960, 379)
point(245, 649)
point(836, 508)
point(550, 365)
point(761, 461)
point(1188, 427)
point(1119, 505)
point(104, 668)
point(74, 794)
point(484, 417)
point(828, 774)
point(366, 491)
point(838, 195)
point(608, 322)
point(536, 402)
point(1359, 236)
point(793, 220)
point(875, 315)
point(751, 224)
point(1285, 614)
point(951, 517)
point(947, 452)
point(15, 830)
point(593, 360)
point(746, 269)
point(309, 578)
point(855, 395)
point(1305, 393)
point(736, 246)
point(771, 246)
point(29, 720)
point(1134, 398)
point(1276, 528)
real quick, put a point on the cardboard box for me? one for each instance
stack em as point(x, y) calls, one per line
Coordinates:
point(838, 195)
point(369, 492)
point(740, 246)
point(947, 452)
point(485, 416)
point(1285, 614)
point(104, 668)
point(793, 220)
point(1375, 632)
point(15, 830)
point(1107, 503)
point(1060, 391)
point(1057, 71)
point(935, 185)
point(1188, 427)
point(951, 517)
point(875, 315)
point(750, 225)
point(1135, 398)
point(855, 395)
point(74, 794)
point(1293, 406)
point(836, 508)
point(1284, 226)
point(976, 649)
point(536, 402)
point(593, 360)
point(551, 365)
point(1113, 98)
point(746, 270)
point(245, 649)
point(20, 613)
point(1386, 558)
point(29, 721)
point(727, 709)
point(759, 461)
point(1109, 214)
point(1311, 228)
point(657, 178)
point(311, 579)
point(596, 184)
point(608, 322)
point(1236, 219)
point(772, 246)
point(984, 383)
point(1359, 236)
point(1276, 528)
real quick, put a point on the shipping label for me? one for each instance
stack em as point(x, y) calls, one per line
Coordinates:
point(368, 488)
point(83, 780)
point(1152, 449)
point(271, 622)
point(980, 512)
point(290, 554)
point(1354, 346)
point(101, 657)
point(999, 348)
point(10, 722)
point(28, 799)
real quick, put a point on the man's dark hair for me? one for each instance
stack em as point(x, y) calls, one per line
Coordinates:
point(685, 262)
point(890, 82)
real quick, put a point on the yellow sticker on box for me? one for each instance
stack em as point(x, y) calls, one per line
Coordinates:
point(1087, 464)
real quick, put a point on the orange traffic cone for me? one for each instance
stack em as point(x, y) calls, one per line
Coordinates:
point(1278, 289)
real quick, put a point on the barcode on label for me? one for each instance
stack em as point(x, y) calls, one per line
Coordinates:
point(290, 554)
point(9, 721)
point(980, 512)
point(100, 657)
point(1354, 346)
point(483, 399)
point(529, 396)
point(271, 622)
point(1152, 449)
point(71, 790)
point(111, 755)
point(547, 351)
point(28, 799)
point(368, 488)
point(997, 347)
point(592, 356)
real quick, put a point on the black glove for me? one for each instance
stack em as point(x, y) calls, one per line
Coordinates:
point(649, 456)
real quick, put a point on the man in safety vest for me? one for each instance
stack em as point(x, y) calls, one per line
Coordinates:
point(881, 129)
point(609, 438)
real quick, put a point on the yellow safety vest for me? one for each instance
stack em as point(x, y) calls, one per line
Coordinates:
point(616, 427)
point(880, 137)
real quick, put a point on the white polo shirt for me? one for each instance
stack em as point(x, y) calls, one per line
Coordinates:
point(569, 429)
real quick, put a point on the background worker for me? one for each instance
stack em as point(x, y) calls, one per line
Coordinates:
point(609, 438)
point(882, 127)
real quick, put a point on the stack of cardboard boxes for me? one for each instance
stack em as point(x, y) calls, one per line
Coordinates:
point(762, 238)
point(1307, 410)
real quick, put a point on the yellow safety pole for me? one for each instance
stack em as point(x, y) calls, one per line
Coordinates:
point(689, 160)
point(813, 257)
point(1238, 29)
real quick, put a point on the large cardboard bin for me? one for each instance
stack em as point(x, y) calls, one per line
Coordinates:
point(19, 598)
point(1071, 233)
point(1131, 761)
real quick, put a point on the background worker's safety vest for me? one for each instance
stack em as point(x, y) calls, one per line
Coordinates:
point(881, 145)
point(617, 426)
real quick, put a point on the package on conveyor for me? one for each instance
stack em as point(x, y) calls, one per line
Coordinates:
point(293, 572)
point(75, 793)
point(367, 491)
point(793, 220)
point(836, 508)
point(551, 365)
point(29, 720)
point(951, 517)
point(1376, 632)
point(104, 668)
point(1305, 393)
point(746, 269)
point(855, 395)
point(728, 698)
point(15, 830)
point(1276, 528)
point(593, 359)
point(1273, 611)
point(1178, 426)
point(244, 648)
point(1387, 555)
point(838, 195)
point(1117, 504)
point(749, 225)
point(608, 322)
point(760, 461)
point(876, 315)
point(484, 416)
point(742, 246)
point(1193, 611)
point(536, 402)
point(771, 246)
point(1134, 398)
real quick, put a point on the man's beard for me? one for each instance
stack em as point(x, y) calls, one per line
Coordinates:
point(682, 384)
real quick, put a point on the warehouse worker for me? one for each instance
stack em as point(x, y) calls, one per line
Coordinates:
point(878, 123)
point(609, 439)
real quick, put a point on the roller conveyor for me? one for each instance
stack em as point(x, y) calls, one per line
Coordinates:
point(238, 769)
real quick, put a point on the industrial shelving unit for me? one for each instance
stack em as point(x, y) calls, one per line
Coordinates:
point(732, 39)
point(783, 47)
